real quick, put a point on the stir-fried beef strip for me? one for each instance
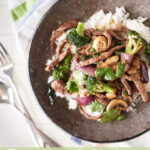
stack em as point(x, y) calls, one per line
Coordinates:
point(86, 51)
point(58, 32)
point(101, 57)
point(58, 86)
point(60, 46)
point(139, 85)
point(57, 60)
point(86, 115)
point(91, 32)
point(82, 47)
point(142, 90)
point(101, 99)
point(127, 88)
point(120, 28)
point(116, 35)
point(126, 85)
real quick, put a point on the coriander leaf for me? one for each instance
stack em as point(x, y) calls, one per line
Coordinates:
point(121, 117)
point(105, 73)
point(72, 86)
point(109, 116)
point(96, 106)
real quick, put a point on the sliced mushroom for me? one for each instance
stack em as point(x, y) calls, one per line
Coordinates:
point(117, 103)
point(135, 67)
point(100, 43)
point(110, 95)
point(110, 62)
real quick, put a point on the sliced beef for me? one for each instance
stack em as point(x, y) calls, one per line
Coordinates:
point(139, 85)
point(57, 60)
point(60, 46)
point(58, 86)
point(81, 110)
point(101, 57)
point(58, 32)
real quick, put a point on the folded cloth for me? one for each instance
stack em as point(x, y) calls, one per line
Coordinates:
point(26, 15)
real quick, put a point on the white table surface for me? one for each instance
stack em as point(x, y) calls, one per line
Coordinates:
point(9, 128)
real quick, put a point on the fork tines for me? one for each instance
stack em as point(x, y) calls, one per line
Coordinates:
point(4, 56)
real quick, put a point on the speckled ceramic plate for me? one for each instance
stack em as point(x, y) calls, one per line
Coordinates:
point(72, 121)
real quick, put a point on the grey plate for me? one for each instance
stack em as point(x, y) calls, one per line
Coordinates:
point(72, 121)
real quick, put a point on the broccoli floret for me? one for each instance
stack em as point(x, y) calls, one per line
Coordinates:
point(76, 39)
point(93, 86)
point(134, 43)
point(79, 77)
point(62, 71)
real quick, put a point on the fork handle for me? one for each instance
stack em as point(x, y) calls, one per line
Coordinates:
point(22, 109)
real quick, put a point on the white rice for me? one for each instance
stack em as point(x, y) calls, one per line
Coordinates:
point(88, 110)
point(72, 104)
point(101, 20)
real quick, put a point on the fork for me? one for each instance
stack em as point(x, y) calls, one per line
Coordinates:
point(6, 69)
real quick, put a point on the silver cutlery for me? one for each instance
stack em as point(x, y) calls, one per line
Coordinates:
point(7, 93)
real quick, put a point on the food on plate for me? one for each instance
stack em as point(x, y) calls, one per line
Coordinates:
point(101, 66)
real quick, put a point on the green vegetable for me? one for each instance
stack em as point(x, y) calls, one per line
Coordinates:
point(94, 55)
point(120, 70)
point(135, 43)
point(125, 93)
point(82, 57)
point(79, 77)
point(93, 85)
point(72, 86)
point(49, 96)
point(118, 52)
point(92, 50)
point(77, 40)
point(147, 53)
point(109, 89)
point(121, 117)
point(105, 73)
point(78, 80)
point(96, 106)
point(109, 116)
point(79, 29)
point(147, 50)
point(62, 71)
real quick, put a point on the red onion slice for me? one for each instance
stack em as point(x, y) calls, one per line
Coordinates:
point(89, 70)
point(84, 100)
point(126, 58)
point(144, 73)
